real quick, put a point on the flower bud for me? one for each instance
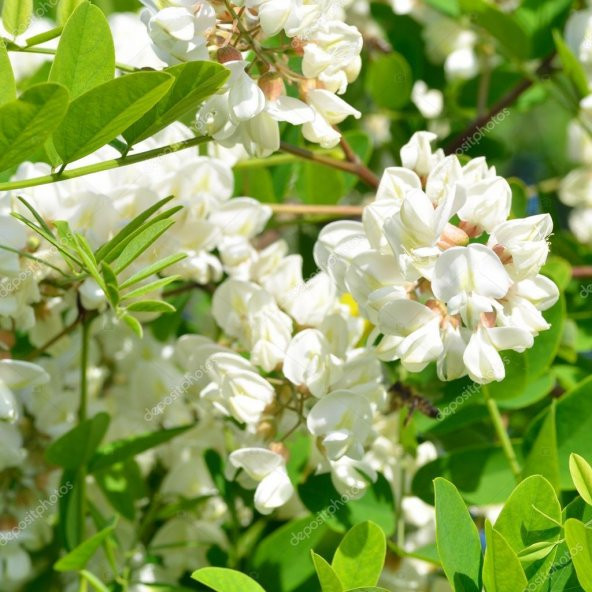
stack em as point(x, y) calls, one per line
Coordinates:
point(228, 54)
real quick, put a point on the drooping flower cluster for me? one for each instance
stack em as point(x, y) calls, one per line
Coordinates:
point(254, 101)
point(575, 189)
point(438, 268)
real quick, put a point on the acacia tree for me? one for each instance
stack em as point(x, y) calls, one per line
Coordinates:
point(286, 286)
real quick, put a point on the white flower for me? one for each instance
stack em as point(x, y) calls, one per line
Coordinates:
point(481, 357)
point(487, 204)
point(16, 375)
point(309, 362)
point(417, 153)
point(329, 110)
point(14, 236)
point(430, 102)
point(179, 33)
point(343, 421)
point(524, 240)
point(237, 389)
point(245, 98)
point(268, 469)
point(412, 334)
point(12, 452)
point(333, 55)
point(576, 188)
point(469, 280)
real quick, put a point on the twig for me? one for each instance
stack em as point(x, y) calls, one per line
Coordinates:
point(313, 210)
point(504, 102)
point(358, 169)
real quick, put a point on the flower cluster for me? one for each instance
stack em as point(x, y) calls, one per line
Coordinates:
point(439, 270)
point(249, 109)
point(575, 189)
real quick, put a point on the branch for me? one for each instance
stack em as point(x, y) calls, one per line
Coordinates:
point(316, 210)
point(584, 271)
point(543, 70)
point(104, 166)
point(354, 168)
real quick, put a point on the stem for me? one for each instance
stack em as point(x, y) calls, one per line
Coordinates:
point(355, 168)
point(582, 272)
point(305, 209)
point(501, 432)
point(82, 413)
point(105, 165)
point(504, 102)
point(48, 51)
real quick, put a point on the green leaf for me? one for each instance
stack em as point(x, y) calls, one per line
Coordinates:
point(559, 270)
point(571, 65)
point(318, 184)
point(7, 83)
point(141, 242)
point(574, 426)
point(579, 541)
point(193, 83)
point(151, 306)
point(389, 81)
point(123, 485)
point(16, 16)
point(327, 577)
point(581, 473)
point(153, 269)
point(221, 579)
point(133, 324)
point(282, 559)
point(514, 383)
point(342, 511)
point(461, 563)
point(536, 551)
point(546, 345)
point(110, 280)
point(151, 287)
point(510, 34)
point(94, 581)
point(26, 123)
point(480, 473)
point(102, 113)
point(542, 458)
point(66, 8)
point(121, 450)
point(531, 514)
point(85, 56)
point(502, 570)
point(359, 559)
point(77, 559)
point(113, 248)
point(75, 448)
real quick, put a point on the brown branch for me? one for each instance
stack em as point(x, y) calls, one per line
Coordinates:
point(542, 71)
point(354, 168)
point(584, 271)
point(316, 210)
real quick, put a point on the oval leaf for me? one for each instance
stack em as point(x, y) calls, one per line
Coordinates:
point(104, 112)
point(579, 541)
point(502, 571)
point(7, 83)
point(27, 122)
point(86, 55)
point(461, 563)
point(327, 577)
point(194, 82)
point(581, 473)
point(226, 580)
point(359, 559)
point(16, 16)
